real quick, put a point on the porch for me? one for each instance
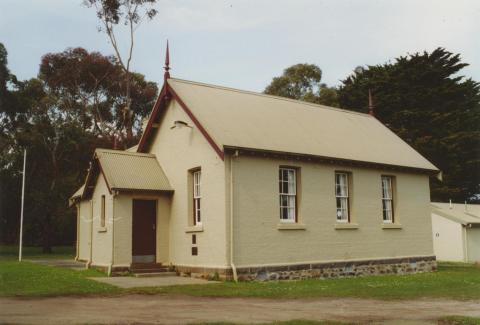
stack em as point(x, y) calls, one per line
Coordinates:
point(123, 212)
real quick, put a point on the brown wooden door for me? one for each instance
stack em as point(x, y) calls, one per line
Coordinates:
point(144, 223)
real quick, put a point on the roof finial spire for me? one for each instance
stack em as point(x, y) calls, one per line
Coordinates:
point(370, 103)
point(167, 64)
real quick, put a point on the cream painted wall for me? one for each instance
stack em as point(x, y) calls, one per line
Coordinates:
point(448, 239)
point(473, 244)
point(123, 230)
point(123, 227)
point(102, 237)
point(257, 241)
point(84, 225)
point(178, 150)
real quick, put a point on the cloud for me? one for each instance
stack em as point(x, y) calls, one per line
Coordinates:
point(244, 43)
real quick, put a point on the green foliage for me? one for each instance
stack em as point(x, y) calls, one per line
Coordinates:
point(459, 320)
point(30, 252)
point(120, 11)
point(60, 117)
point(424, 100)
point(91, 87)
point(452, 280)
point(288, 322)
point(328, 96)
point(302, 82)
point(4, 76)
point(450, 320)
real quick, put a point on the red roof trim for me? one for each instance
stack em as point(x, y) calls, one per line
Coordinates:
point(93, 175)
point(148, 128)
point(197, 123)
point(167, 90)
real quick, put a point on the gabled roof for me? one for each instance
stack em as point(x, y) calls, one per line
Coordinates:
point(231, 118)
point(132, 149)
point(458, 213)
point(78, 193)
point(126, 171)
point(76, 196)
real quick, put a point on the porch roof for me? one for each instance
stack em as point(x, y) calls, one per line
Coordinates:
point(125, 170)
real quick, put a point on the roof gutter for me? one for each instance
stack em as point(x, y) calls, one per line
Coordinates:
point(328, 160)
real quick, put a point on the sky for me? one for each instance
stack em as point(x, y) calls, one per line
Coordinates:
point(245, 43)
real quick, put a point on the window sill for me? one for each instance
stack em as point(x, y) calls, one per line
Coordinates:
point(291, 226)
point(102, 229)
point(341, 226)
point(191, 229)
point(391, 226)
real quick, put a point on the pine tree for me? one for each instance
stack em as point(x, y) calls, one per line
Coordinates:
point(424, 100)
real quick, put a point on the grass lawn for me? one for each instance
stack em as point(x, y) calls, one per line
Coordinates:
point(459, 320)
point(29, 279)
point(290, 322)
point(453, 280)
point(450, 320)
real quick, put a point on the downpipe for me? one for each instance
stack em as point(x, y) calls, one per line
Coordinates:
point(110, 267)
point(232, 264)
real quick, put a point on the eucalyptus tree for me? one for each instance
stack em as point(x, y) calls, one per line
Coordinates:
point(60, 117)
point(129, 13)
point(303, 82)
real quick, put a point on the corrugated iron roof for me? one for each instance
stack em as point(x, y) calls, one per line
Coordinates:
point(125, 170)
point(242, 119)
point(458, 212)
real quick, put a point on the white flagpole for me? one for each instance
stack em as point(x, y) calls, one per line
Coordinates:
point(23, 199)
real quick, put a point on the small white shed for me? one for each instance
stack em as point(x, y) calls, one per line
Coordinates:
point(456, 232)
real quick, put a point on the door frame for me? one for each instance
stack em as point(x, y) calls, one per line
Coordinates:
point(145, 258)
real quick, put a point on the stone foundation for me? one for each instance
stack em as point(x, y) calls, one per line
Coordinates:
point(356, 268)
point(218, 274)
point(340, 269)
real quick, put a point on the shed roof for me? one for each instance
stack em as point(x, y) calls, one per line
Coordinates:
point(125, 170)
point(243, 119)
point(458, 213)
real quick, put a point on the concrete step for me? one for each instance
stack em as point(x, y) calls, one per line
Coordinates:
point(150, 270)
point(154, 274)
point(147, 266)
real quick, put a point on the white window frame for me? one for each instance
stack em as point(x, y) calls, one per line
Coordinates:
point(345, 198)
point(197, 178)
point(290, 194)
point(387, 199)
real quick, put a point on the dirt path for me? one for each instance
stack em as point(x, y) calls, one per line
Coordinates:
point(146, 309)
